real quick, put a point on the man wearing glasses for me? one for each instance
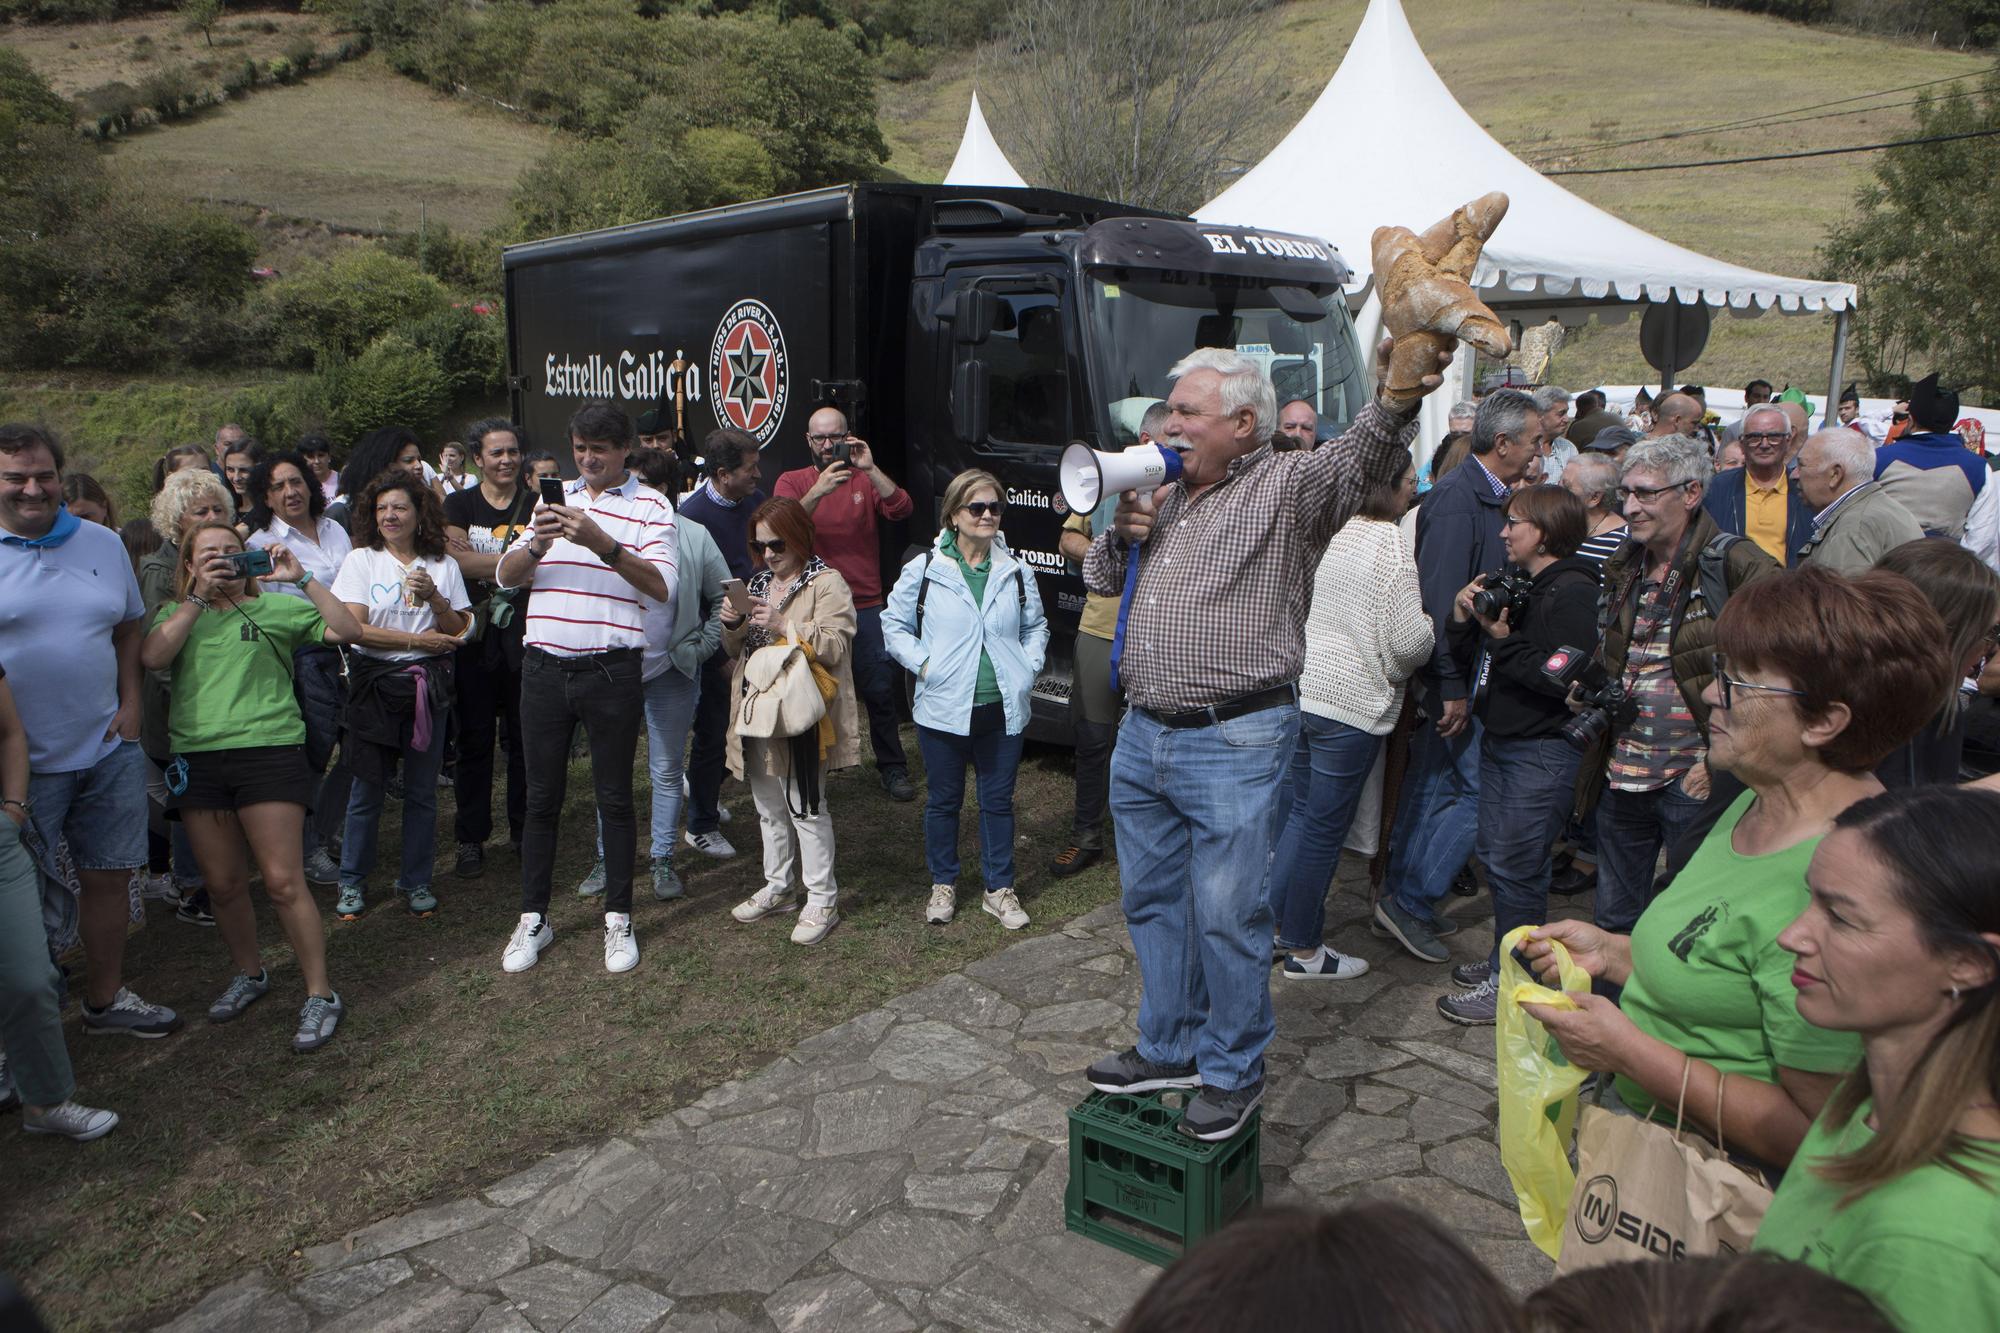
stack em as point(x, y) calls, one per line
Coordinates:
point(1761, 500)
point(849, 496)
point(1663, 589)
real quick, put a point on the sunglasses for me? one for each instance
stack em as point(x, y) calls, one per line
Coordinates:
point(768, 548)
point(981, 508)
point(1726, 684)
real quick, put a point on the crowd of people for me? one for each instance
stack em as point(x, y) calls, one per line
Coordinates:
point(1579, 647)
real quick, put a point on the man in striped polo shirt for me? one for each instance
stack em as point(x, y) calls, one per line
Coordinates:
point(594, 564)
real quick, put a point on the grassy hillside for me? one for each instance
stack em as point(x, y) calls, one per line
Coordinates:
point(1641, 67)
point(75, 57)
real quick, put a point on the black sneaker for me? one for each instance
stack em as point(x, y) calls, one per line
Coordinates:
point(471, 862)
point(1464, 885)
point(1471, 974)
point(1128, 1071)
point(897, 783)
point(1573, 881)
point(1073, 860)
point(194, 909)
point(1213, 1115)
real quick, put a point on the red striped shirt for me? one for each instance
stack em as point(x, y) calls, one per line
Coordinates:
point(581, 605)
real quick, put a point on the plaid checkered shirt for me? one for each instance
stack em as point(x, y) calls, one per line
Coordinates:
point(1226, 579)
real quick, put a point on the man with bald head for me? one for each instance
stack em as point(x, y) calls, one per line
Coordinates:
point(1760, 500)
point(1855, 521)
point(1298, 426)
point(1676, 414)
point(1801, 421)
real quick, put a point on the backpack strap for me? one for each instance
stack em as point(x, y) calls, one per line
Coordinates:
point(923, 590)
point(1712, 566)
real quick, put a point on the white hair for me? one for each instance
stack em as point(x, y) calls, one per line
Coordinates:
point(1244, 384)
point(1768, 407)
point(1599, 474)
point(1465, 408)
point(1678, 459)
point(1550, 396)
point(1848, 448)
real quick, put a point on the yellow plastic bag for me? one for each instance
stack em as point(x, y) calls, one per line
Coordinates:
point(1538, 1097)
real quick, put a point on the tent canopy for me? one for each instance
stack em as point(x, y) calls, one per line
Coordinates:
point(979, 160)
point(1387, 143)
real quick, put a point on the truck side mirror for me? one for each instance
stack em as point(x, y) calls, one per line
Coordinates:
point(973, 314)
point(970, 400)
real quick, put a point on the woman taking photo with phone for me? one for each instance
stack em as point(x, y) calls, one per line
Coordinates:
point(410, 600)
point(238, 772)
point(967, 621)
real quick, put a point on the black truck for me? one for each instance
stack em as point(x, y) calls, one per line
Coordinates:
point(956, 327)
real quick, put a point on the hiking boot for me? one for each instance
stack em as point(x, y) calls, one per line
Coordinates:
point(524, 947)
point(71, 1121)
point(621, 947)
point(1075, 860)
point(943, 905)
point(711, 843)
point(129, 1016)
point(814, 923)
point(1475, 1007)
point(1128, 1071)
point(1006, 907)
point(243, 991)
point(194, 909)
point(896, 782)
point(1213, 1115)
point(420, 900)
point(1326, 965)
point(318, 1018)
point(349, 905)
point(1471, 974)
point(320, 868)
point(1419, 937)
point(763, 903)
point(471, 862)
point(667, 885)
point(593, 883)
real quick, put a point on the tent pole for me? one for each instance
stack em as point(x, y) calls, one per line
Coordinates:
point(1839, 367)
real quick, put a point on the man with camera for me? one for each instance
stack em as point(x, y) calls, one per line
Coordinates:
point(849, 497)
point(1458, 539)
point(1663, 591)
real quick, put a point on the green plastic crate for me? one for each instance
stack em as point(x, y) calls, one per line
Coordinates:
point(1137, 1184)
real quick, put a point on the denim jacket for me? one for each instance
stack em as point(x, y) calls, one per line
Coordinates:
point(1010, 626)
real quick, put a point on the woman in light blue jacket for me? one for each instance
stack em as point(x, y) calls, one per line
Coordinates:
point(967, 621)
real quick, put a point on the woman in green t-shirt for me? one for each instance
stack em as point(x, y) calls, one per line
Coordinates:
point(1817, 677)
point(238, 772)
point(1897, 1188)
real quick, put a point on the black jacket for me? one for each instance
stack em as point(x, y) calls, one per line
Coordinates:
point(1518, 700)
point(1458, 538)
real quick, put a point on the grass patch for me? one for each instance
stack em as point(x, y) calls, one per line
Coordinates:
point(75, 57)
point(358, 147)
point(1498, 61)
point(448, 1074)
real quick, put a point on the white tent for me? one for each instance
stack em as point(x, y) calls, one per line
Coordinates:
point(1408, 153)
point(979, 160)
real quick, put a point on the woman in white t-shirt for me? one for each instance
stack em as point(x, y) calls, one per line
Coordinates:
point(452, 476)
point(410, 599)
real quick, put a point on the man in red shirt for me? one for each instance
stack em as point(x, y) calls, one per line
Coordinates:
point(847, 498)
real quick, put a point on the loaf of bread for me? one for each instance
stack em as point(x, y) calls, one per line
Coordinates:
point(1428, 305)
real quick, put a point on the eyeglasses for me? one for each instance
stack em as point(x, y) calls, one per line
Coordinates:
point(981, 508)
point(1650, 495)
point(768, 548)
point(827, 439)
point(1725, 684)
point(1766, 437)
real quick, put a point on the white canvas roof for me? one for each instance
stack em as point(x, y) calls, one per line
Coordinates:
point(1387, 143)
point(979, 160)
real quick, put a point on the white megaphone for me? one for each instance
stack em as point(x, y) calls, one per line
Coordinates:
point(1089, 475)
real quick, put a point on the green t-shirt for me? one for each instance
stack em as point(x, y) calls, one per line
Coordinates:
point(1708, 977)
point(232, 683)
point(986, 690)
point(1926, 1245)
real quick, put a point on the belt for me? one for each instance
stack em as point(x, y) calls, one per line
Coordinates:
point(583, 661)
point(1275, 697)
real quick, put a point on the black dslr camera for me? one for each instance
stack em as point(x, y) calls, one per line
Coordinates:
point(1606, 705)
point(1502, 591)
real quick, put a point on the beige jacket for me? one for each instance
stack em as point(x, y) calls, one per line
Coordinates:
point(819, 611)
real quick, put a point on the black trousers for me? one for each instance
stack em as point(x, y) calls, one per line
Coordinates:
point(489, 688)
point(708, 758)
point(603, 692)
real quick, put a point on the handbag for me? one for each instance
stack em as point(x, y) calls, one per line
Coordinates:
point(780, 697)
point(1644, 1193)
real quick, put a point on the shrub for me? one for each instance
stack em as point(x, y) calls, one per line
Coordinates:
point(726, 167)
point(462, 263)
point(282, 70)
point(394, 380)
point(470, 348)
point(240, 81)
point(902, 62)
point(25, 96)
point(339, 306)
point(172, 92)
point(301, 52)
point(109, 108)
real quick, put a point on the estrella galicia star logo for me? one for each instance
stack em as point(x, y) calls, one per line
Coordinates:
point(748, 371)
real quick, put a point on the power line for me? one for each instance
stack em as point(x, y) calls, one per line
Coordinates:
point(1775, 157)
point(1562, 154)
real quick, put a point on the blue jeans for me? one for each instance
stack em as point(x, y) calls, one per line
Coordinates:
point(1526, 788)
point(995, 758)
point(877, 678)
point(1437, 820)
point(670, 700)
point(1192, 811)
point(31, 988)
point(102, 811)
point(1329, 771)
point(364, 816)
point(1632, 827)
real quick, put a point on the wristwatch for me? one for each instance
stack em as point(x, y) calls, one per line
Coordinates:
point(610, 558)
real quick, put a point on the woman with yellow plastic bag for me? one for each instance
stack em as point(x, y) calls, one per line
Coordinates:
point(1538, 1093)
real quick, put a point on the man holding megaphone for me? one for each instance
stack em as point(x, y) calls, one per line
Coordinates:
point(1214, 584)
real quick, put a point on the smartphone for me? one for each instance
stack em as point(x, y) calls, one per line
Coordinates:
point(841, 453)
point(251, 564)
point(738, 595)
point(552, 491)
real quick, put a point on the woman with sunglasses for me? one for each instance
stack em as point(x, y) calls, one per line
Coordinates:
point(1817, 677)
point(795, 597)
point(967, 621)
point(1897, 1188)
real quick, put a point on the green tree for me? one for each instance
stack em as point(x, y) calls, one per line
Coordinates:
point(201, 16)
point(1920, 246)
point(339, 306)
point(806, 94)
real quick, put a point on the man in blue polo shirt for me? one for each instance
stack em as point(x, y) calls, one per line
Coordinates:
point(70, 627)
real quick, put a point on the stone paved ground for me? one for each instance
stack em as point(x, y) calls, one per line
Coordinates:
point(906, 1169)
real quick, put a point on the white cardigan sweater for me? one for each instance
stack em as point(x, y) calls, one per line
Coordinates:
point(1366, 632)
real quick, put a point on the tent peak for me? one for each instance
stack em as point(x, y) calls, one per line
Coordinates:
point(979, 160)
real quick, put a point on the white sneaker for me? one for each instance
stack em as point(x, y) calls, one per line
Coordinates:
point(813, 925)
point(531, 936)
point(621, 948)
point(943, 905)
point(71, 1121)
point(762, 903)
point(159, 888)
point(1003, 904)
point(714, 844)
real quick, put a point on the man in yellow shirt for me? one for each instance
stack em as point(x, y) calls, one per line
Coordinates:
point(1761, 500)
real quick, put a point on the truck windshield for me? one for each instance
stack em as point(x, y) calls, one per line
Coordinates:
point(1140, 324)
